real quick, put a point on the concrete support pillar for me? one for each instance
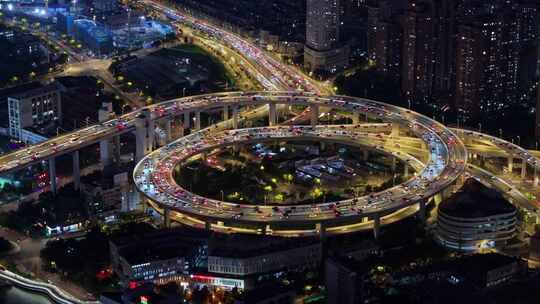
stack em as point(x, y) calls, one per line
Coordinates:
point(208, 226)
point(198, 121)
point(117, 149)
point(406, 170)
point(166, 218)
point(394, 163)
point(376, 226)
point(186, 122)
point(314, 109)
point(422, 210)
point(321, 229)
point(105, 152)
point(322, 145)
point(523, 168)
point(355, 118)
point(365, 154)
point(167, 130)
point(76, 170)
point(104, 114)
point(535, 176)
point(272, 115)
point(144, 134)
point(225, 112)
point(510, 164)
point(235, 117)
point(52, 175)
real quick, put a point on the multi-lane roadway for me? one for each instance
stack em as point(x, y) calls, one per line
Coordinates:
point(446, 160)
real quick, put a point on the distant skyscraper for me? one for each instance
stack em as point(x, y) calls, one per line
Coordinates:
point(488, 61)
point(480, 81)
point(388, 49)
point(323, 20)
point(384, 39)
point(537, 124)
point(418, 52)
point(372, 23)
point(428, 48)
point(323, 49)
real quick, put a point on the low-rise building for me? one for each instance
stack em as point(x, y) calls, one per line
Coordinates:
point(63, 213)
point(33, 108)
point(161, 256)
point(241, 255)
point(268, 294)
point(477, 278)
point(105, 195)
point(96, 37)
point(475, 217)
point(343, 281)
point(332, 61)
point(490, 270)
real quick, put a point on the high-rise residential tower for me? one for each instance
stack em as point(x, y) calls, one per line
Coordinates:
point(324, 50)
point(428, 48)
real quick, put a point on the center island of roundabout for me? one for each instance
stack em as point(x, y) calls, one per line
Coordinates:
point(443, 160)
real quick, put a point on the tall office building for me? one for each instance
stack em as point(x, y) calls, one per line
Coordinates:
point(323, 50)
point(428, 48)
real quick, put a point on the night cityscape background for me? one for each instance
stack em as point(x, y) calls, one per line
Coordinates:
point(269, 151)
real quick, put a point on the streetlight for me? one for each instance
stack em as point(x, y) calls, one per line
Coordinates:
point(222, 195)
point(123, 108)
point(519, 140)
